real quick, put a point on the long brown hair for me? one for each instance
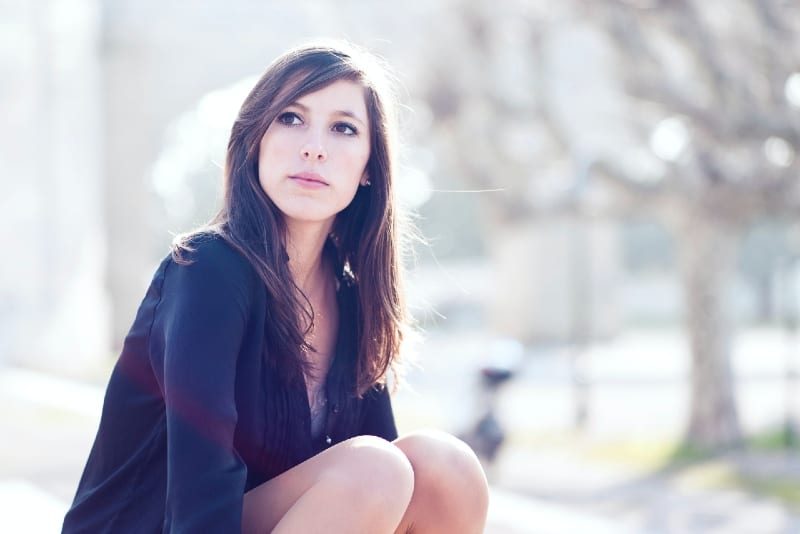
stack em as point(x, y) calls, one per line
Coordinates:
point(366, 234)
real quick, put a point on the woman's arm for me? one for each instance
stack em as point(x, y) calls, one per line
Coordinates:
point(197, 334)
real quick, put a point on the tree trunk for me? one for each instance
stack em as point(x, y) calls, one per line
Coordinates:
point(707, 252)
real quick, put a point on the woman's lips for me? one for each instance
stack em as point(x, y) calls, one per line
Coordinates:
point(308, 179)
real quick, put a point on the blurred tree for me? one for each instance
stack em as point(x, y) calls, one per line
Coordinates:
point(684, 111)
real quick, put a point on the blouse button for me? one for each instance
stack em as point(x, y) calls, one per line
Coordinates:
point(336, 408)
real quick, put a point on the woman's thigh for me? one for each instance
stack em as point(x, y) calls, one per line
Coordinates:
point(357, 465)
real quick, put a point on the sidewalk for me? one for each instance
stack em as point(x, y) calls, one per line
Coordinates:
point(49, 424)
point(701, 498)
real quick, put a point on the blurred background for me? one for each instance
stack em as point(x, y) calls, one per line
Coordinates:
point(610, 293)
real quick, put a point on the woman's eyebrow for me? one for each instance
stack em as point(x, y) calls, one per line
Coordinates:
point(350, 114)
point(297, 105)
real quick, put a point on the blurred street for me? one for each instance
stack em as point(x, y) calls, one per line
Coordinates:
point(547, 479)
point(616, 467)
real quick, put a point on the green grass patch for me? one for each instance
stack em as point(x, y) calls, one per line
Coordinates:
point(642, 454)
point(684, 464)
point(687, 453)
point(775, 439)
point(783, 489)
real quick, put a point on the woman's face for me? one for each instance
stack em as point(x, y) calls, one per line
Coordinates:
point(313, 156)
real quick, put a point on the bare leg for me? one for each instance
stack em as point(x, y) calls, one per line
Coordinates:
point(450, 489)
point(361, 485)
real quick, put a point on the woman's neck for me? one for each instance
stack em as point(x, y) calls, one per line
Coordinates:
point(304, 245)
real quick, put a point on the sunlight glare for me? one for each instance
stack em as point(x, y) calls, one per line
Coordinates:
point(778, 152)
point(669, 138)
point(792, 89)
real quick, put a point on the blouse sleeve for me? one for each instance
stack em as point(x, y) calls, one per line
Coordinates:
point(197, 334)
point(378, 415)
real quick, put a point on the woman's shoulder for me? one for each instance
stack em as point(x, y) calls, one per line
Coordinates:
point(210, 254)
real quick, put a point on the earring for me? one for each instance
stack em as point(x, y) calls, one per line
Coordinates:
point(367, 183)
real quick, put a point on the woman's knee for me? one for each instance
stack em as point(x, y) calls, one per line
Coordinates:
point(446, 468)
point(366, 476)
point(375, 472)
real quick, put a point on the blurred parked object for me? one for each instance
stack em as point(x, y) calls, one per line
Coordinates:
point(502, 363)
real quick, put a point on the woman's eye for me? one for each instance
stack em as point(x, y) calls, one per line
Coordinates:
point(344, 128)
point(289, 119)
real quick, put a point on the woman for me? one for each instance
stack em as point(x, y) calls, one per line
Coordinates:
point(250, 394)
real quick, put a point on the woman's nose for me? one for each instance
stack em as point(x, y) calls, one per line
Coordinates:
point(313, 149)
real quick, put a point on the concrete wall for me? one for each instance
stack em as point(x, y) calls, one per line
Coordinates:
point(566, 281)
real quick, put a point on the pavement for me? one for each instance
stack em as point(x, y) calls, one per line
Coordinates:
point(547, 479)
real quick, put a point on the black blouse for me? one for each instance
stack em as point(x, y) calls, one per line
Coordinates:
point(193, 417)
